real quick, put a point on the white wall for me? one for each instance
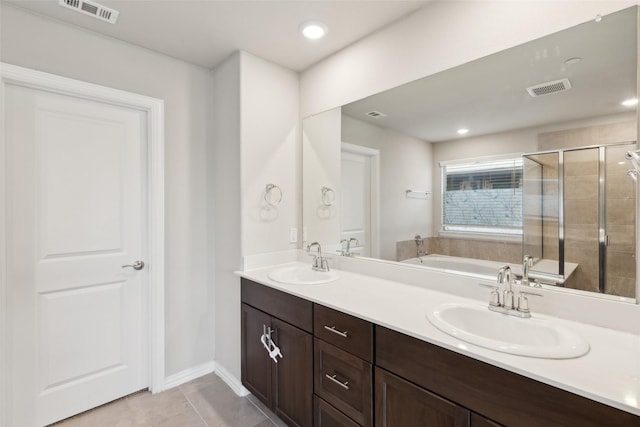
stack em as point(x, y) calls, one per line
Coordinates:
point(321, 161)
point(31, 41)
point(255, 144)
point(405, 163)
point(437, 37)
point(225, 199)
point(269, 153)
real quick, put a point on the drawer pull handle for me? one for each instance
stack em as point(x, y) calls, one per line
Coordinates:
point(344, 385)
point(335, 331)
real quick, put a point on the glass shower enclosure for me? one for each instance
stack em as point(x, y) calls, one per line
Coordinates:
point(579, 218)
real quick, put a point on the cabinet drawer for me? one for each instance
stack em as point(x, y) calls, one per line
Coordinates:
point(344, 331)
point(293, 310)
point(343, 380)
point(326, 415)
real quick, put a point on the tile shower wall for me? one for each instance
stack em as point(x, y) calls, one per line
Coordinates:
point(581, 206)
point(550, 211)
point(581, 216)
point(532, 208)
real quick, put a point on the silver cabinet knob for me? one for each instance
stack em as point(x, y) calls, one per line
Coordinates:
point(138, 265)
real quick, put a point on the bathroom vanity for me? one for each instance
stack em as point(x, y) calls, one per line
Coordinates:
point(352, 358)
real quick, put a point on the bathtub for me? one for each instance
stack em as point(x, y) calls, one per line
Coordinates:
point(485, 269)
point(468, 266)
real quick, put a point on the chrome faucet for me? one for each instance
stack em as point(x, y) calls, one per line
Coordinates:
point(527, 263)
point(419, 242)
point(319, 262)
point(505, 305)
point(348, 242)
point(506, 277)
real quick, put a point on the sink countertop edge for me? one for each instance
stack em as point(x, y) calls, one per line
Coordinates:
point(411, 304)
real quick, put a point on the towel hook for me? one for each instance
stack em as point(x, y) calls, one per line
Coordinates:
point(269, 195)
point(328, 196)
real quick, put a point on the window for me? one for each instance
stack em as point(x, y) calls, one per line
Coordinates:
point(483, 196)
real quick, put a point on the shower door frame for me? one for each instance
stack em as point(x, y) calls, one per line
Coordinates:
point(603, 238)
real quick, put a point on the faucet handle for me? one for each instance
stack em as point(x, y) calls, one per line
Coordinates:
point(494, 296)
point(523, 301)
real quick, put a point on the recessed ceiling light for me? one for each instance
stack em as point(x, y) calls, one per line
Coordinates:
point(313, 30)
point(630, 102)
point(463, 131)
point(572, 61)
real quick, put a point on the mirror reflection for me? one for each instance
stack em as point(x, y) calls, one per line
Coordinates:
point(518, 153)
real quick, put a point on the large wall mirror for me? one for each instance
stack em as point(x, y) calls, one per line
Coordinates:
point(519, 153)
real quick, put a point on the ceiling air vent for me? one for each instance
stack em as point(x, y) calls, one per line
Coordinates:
point(549, 87)
point(92, 9)
point(376, 114)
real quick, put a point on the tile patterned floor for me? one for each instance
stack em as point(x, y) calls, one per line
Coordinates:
point(203, 402)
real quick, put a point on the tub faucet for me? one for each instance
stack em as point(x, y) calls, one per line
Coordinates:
point(419, 242)
point(319, 262)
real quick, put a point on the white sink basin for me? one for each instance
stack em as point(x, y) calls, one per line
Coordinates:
point(525, 337)
point(298, 275)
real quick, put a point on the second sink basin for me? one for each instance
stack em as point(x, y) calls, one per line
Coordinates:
point(302, 275)
point(531, 337)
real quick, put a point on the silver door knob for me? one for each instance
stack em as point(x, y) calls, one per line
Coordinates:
point(138, 265)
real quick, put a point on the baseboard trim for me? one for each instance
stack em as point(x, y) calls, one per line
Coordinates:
point(231, 380)
point(188, 375)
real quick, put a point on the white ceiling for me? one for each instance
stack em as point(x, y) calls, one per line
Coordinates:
point(489, 95)
point(205, 32)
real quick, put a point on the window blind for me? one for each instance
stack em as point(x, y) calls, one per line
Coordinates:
point(483, 196)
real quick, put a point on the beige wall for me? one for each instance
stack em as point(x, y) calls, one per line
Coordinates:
point(508, 252)
point(581, 217)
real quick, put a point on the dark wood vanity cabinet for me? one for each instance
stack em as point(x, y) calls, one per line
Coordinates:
point(343, 380)
point(285, 386)
point(341, 371)
point(480, 421)
point(326, 415)
point(495, 395)
point(402, 404)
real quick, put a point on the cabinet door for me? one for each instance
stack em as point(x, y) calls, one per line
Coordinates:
point(256, 364)
point(480, 421)
point(402, 404)
point(293, 375)
point(326, 415)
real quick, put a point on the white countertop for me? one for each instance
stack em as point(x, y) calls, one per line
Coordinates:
point(609, 373)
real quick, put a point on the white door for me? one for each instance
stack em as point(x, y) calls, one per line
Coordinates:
point(355, 182)
point(77, 320)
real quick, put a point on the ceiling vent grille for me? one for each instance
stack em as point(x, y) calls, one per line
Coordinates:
point(376, 114)
point(91, 8)
point(549, 87)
